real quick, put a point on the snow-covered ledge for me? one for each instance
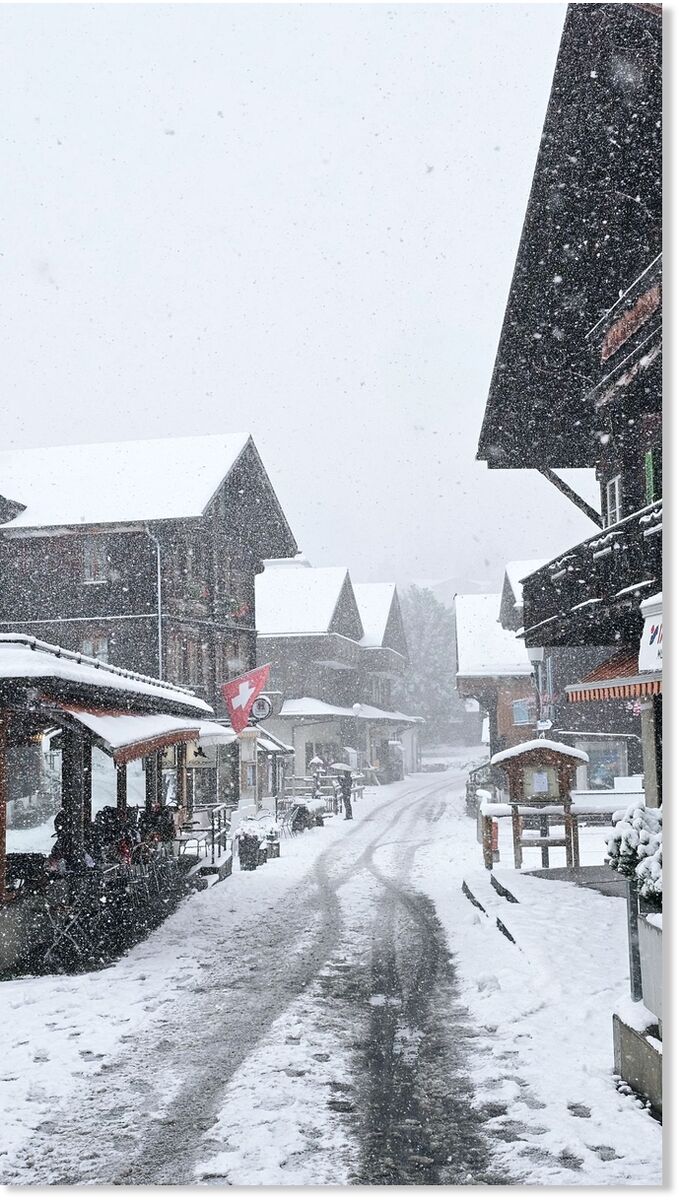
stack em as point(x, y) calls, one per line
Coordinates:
point(650, 954)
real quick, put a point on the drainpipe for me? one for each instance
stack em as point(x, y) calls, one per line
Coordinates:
point(159, 600)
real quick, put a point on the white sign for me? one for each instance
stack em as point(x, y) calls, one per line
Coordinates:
point(650, 650)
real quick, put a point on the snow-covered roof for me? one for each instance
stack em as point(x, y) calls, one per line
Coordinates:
point(117, 482)
point(374, 602)
point(309, 706)
point(133, 735)
point(23, 657)
point(484, 648)
point(297, 599)
point(517, 570)
point(539, 744)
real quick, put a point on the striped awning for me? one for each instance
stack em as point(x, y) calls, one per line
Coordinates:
point(617, 678)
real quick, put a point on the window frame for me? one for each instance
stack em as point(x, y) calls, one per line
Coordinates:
point(95, 559)
point(614, 510)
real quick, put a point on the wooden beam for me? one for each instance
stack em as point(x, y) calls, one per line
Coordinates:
point(573, 496)
point(121, 787)
point(72, 794)
point(181, 781)
point(159, 779)
point(87, 782)
point(150, 771)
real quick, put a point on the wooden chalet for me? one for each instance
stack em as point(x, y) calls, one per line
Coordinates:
point(577, 378)
point(335, 651)
point(143, 554)
point(494, 669)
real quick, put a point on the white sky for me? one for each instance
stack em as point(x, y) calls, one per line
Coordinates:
point(297, 220)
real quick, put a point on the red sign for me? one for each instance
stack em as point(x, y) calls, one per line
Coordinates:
point(241, 693)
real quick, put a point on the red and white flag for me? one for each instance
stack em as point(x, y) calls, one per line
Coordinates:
point(241, 693)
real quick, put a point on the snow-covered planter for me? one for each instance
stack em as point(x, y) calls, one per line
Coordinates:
point(248, 838)
point(635, 850)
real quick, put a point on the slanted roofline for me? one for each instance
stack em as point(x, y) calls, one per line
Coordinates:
point(592, 224)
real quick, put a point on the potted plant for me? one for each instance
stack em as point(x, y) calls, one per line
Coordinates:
point(635, 850)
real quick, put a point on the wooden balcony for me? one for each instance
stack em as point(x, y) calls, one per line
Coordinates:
point(590, 595)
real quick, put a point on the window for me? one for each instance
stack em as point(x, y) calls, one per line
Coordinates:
point(95, 647)
point(95, 560)
point(614, 500)
point(523, 712)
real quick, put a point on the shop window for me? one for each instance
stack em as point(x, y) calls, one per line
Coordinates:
point(95, 560)
point(607, 760)
point(614, 500)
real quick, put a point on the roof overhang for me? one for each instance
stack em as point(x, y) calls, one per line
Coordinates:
point(127, 737)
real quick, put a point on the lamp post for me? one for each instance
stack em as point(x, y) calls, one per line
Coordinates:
point(536, 656)
point(357, 713)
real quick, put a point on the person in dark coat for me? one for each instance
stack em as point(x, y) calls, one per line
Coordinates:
point(345, 793)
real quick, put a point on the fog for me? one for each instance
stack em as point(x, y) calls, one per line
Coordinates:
point(300, 221)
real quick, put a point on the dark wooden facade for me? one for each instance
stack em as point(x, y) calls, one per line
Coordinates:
point(592, 228)
point(95, 588)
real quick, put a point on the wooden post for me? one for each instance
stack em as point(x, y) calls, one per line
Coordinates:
point(87, 782)
point(575, 834)
point(487, 841)
point(181, 782)
point(544, 832)
point(150, 771)
point(72, 794)
point(516, 837)
point(121, 788)
point(3, 808)
point(159, 779)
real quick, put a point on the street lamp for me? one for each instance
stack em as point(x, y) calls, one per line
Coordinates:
point(357, 712)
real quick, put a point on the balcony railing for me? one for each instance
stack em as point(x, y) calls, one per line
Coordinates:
point(590, 595)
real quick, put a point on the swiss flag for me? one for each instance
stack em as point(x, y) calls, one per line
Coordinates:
point(241, 693)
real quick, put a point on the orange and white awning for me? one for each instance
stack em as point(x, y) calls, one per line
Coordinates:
point(617, 678)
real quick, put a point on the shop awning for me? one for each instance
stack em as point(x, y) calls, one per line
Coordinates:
point(127, 736)
point(617, 678)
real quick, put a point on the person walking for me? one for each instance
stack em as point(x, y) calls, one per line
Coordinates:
point(345, 792)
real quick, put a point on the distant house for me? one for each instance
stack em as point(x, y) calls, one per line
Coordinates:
point(493, 668)
point(142, 554)
point(333, 645)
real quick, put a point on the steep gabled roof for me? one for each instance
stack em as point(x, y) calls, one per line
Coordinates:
point(593, 223)
point(300, 600)
point(154, 479)
point(484, 648)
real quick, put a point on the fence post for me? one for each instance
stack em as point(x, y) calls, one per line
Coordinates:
point(487, 842)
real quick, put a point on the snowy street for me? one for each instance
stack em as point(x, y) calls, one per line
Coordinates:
point(341, 1015)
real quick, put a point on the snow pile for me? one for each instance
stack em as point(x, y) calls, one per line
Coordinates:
point(538, 744)
point(635, 848)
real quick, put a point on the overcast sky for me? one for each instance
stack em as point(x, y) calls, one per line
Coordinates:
point(300, 221)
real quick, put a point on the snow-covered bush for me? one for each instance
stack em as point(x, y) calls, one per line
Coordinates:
point(635, 849)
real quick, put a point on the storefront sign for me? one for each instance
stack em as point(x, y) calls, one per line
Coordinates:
point(650, 650)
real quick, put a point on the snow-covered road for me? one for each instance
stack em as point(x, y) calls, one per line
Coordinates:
point(318, 1021)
